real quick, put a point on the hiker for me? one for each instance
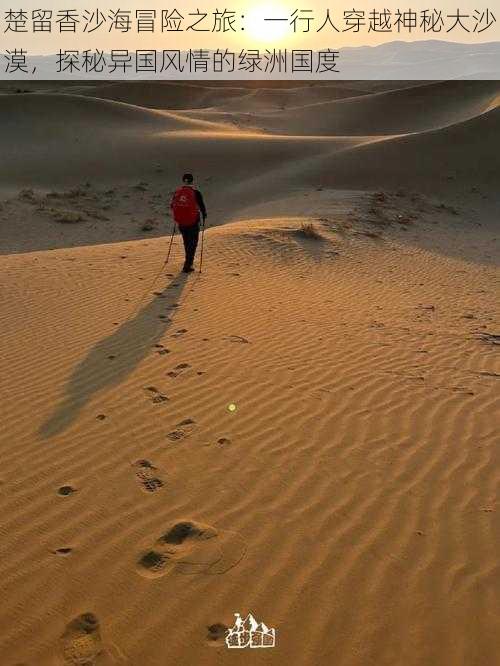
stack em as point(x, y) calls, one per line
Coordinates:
point(188, 208)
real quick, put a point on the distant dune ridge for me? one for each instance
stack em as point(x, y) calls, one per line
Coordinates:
point(306, 432)
point(110, 141)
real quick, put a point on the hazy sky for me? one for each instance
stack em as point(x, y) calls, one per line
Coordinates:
point(252, 31)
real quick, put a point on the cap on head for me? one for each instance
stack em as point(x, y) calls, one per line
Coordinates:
point(187, 178)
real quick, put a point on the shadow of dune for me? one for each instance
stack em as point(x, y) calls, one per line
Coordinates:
point(112, 359)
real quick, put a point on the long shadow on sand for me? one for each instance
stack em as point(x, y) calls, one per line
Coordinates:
point(112, 359)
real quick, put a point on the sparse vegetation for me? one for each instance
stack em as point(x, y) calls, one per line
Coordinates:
point(370, 234)
point(66, 216)
point(405, 219)
point(27, 195)
point(380, 197)
point(309, 230)
point(96, 215)
point(448, 209)
point(76, 192)
point(148, 225)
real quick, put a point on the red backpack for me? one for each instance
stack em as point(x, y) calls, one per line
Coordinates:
point(185, 207)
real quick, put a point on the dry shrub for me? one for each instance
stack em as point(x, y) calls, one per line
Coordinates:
point(148, 225)
point(308, 230)
point(76, 192)
point(67, 216)
point(27, 195)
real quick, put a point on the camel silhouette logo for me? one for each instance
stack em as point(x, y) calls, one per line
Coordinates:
point(250, 633)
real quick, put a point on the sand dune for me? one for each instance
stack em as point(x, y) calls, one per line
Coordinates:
point(109, 142)
point(267, 98)
point(394, 112)
point(409, 109)
point(384, 477)
point(131, 142)
point(305, 430)
point(83, 115)
point(181, 96)
point(463, 155)
point(168, 95)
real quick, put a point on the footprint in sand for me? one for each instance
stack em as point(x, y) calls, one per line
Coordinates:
point(183, 429)
point(190, 547)
point(62, 551)
point(491, 338)
point(216, 634)
point(66, 490)
point(176, 435)
point(178, 333)
point(162, 350)
point(237, 338)
point(157, 397)
point(178, 369)
point(146, 474)
point(81, 641)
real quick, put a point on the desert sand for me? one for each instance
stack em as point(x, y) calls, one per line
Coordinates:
point(307, 430)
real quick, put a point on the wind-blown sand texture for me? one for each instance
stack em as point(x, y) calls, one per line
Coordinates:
point(347, 311)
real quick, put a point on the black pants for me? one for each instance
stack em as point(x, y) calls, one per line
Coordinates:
point(190, 237)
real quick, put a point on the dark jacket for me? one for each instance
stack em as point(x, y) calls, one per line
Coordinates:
point(200, 202)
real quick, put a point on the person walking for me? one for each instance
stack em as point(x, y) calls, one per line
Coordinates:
point(188, 211)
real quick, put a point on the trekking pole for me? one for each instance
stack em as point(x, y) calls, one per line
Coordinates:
point(134, 312)
point(170, 246)
point(202, 238)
